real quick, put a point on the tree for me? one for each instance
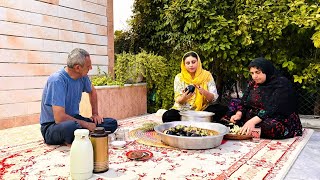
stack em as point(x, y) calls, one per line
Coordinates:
point(228, 34)
point(123, 42)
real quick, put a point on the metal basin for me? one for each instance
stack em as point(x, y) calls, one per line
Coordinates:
point(183, 142)
point(198, 116)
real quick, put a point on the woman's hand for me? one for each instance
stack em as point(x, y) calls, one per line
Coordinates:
point(247, 128)
point(209, 96)
point(250, 125)
point(200, 89)
point(185, 96)
point(236, 117)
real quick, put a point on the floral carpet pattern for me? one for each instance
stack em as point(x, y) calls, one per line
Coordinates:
point(23, 155)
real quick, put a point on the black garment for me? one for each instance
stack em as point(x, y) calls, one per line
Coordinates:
point(171, 115)
point(219, 110)
point(271, 127)
point(276, 96)
point(273, 101)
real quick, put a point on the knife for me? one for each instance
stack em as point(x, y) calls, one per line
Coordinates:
point(226, 120)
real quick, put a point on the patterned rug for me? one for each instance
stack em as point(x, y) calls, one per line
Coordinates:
point(150, 138)
point(23, 155)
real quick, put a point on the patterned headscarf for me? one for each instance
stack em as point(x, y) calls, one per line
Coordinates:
point(201, 78)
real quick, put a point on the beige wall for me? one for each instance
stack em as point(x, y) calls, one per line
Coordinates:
point(117, 102)
point(35, 37)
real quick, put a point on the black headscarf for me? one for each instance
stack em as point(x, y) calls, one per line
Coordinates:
point(266, 67)
point(276, 93)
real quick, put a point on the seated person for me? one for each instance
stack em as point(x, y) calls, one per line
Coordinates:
point(59, 116)
point(269, 102)
point(204, 96)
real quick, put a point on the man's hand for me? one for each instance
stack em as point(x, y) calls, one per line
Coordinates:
point(96, 119)
point(87, 125)
point(91, 126)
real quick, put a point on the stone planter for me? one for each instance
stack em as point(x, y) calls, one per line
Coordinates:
point(118, 102)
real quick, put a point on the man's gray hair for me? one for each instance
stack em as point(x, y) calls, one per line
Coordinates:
point(77, 56)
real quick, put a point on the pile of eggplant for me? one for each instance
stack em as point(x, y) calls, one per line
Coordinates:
point(189, 131)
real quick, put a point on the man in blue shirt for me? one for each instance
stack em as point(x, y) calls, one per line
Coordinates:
point(59, 116)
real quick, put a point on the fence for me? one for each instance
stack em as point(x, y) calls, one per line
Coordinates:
point(308, 102)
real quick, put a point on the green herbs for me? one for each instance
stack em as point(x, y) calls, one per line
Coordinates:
point(149, 126)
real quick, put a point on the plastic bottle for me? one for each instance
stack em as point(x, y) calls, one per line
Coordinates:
point(81, 155)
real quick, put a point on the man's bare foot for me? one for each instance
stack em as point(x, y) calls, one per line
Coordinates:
point(69, 145)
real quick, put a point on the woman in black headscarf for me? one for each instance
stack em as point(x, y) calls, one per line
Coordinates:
point(268, 102)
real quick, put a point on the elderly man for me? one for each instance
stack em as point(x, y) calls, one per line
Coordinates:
point(59, 116)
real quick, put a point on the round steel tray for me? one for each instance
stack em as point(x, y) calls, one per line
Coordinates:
point(183, 142)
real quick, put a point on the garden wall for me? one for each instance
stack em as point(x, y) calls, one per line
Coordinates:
point(118, 102)
point(35, 37)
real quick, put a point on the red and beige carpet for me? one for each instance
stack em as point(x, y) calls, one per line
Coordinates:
point(23, 155)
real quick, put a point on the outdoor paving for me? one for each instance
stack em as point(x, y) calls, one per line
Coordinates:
point(307, 165)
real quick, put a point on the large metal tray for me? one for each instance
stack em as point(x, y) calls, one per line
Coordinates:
point(206, 142)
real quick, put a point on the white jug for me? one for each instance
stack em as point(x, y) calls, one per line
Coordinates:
point(81, 155)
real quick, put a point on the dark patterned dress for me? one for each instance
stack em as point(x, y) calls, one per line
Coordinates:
point(275, 103)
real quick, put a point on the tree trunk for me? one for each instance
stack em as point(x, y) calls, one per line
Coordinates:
point(219, 85)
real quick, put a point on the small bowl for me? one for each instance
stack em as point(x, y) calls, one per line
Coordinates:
point(139, 155)
point(118, 144)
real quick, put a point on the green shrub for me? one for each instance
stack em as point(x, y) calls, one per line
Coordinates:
point(104, 79)
point(155, 73)
point(129, 68)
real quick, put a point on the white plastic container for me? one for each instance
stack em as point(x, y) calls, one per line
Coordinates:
point(81, 155)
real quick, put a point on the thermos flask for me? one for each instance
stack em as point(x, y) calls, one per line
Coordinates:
point(99, 140)
point(81, 155)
